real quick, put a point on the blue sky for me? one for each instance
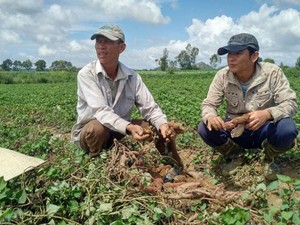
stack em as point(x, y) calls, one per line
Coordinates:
point(61, 29)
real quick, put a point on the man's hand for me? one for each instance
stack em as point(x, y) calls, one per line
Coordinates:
point(164, 130)
point(257, 119)
point(138, 133)
point(215, 123)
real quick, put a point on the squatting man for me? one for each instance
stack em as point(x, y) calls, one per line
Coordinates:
point(259, 90)
point(107, 93)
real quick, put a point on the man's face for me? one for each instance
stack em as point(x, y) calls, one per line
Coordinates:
point(108, 51)
point(241, 62)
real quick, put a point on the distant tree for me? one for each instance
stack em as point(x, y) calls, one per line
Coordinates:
point(215, 60)
point(184, 60)
point(61, 65)
point(269, 60)
point(172, 64)
point(27, 64)
point(163, 61)
point(17, 65)
point(40, 65)
point(298, 62)
point(187, 57)
point(6, 65)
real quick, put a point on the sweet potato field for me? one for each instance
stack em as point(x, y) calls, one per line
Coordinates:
point(71, 188)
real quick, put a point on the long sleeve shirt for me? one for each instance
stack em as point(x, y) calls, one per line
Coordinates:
point(95, 99)
point(269, 89)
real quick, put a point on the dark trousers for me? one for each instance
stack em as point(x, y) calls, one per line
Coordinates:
point(280, 135)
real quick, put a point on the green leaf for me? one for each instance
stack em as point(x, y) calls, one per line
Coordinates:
point(273, 185)
point(74, 206)
point(296, 219)
point(144, 220)
point(51, 222)
point(297, 187)
point(21, 197)
point(7, 215)
point(52, 171)
point(285, 179)
point(92, 166)
point(52, 209)
point(158, 210)
point(127, 212)
point(273, 209)
point(297, 181)
point(156, 216)
point(106, 207)
point(2, 183)
point(287, 215)
point(268, 217)
point(229, 219)
point(77, 193)
point(284, 206)
point(117, 222)
point(261, 186)
point(169, 212)
point(4, 196)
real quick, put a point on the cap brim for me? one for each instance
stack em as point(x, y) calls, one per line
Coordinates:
point(107, 35)
point(94, 36)
point(231, 48)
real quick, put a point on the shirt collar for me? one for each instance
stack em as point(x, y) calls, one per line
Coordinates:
point(122, 71)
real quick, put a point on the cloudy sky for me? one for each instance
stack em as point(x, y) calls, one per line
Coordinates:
point(61, 29)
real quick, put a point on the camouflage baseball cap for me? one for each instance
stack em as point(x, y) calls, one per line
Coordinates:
point(112, 32)
point(238, 43)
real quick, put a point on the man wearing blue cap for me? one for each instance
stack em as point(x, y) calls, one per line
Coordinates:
point(258, 90)
point(107, 92)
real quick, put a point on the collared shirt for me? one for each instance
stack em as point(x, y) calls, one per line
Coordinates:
point(113, 84)
point(269, 89)
point(244, 87)
point(96, 101)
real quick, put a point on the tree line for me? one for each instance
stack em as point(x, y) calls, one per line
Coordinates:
point(186, 60)
point(40, 65)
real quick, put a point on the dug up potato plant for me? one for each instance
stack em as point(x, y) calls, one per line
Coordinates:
point(132, 183)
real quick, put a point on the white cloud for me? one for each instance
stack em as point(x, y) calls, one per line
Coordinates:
point(9, 36)
point(277, 31)
point(58, 30)
point(24, 6)
point(45, 51)
point(137, 10)
point(46, 29)
point(75, 46)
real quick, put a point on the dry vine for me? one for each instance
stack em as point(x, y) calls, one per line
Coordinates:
point(130, 167)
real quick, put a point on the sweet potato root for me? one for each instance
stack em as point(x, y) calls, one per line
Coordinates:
point(237, 125)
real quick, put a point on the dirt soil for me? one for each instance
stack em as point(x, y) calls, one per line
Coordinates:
point(200, 179)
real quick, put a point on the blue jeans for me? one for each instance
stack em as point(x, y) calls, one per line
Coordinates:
point(281, 135)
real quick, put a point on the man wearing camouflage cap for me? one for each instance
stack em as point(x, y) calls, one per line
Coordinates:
point(258, 89)
point(107, 92)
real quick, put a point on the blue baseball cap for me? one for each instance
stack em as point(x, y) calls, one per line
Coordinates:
point(238, 43)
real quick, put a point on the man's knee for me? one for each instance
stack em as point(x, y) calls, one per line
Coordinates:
point(202, 129)
point(95, 129)
point(93, 137)
point(283, 133)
